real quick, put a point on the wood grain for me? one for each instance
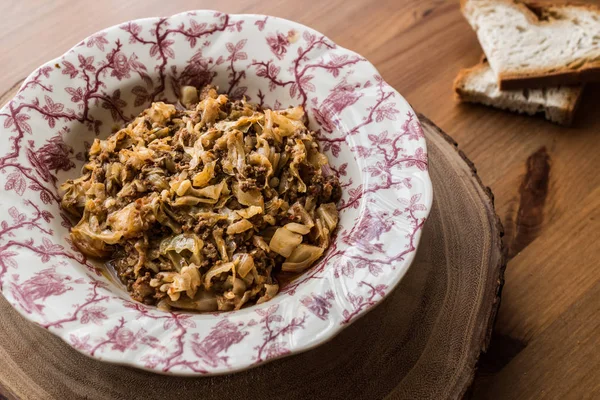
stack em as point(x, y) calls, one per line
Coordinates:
point(424, 340)
point(562, 357)
point(419, 46)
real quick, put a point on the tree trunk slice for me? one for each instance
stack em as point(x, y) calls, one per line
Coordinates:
point(423, 341)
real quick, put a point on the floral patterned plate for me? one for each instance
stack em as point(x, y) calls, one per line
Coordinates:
point(371, 135)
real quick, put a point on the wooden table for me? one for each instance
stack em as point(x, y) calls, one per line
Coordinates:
point(545, 178)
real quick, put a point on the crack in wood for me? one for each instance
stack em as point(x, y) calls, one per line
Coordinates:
point(532, 198)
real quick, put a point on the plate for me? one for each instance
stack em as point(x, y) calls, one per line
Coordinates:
point(371, 135)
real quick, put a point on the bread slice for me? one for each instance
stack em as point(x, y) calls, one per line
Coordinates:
point(478, 85)
point(531, 46)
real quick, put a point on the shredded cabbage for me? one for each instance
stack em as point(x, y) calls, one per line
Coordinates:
point(200, 206)
point(301, 258)
point(239, 227)
point(185, 242)
point(202, 178)
point(284, 241)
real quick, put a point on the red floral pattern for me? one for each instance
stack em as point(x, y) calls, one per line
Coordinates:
point(319, 305)
point(373, 139)
point(279, 43)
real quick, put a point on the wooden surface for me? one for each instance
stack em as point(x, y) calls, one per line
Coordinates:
point(545, 178)
point(424, 340)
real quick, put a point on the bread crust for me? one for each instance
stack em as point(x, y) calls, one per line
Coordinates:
point(589, 71)
point(561, 116)
point(564, 76)
point(460, 79)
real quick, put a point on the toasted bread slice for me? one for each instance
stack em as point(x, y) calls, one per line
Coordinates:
point(478, 85)
point(531, 46)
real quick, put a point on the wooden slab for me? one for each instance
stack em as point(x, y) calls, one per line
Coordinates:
point(423, 341)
